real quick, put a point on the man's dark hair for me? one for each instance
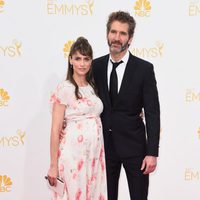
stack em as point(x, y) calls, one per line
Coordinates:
point(123, 17)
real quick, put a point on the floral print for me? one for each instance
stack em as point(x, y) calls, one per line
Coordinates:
point(81, 151)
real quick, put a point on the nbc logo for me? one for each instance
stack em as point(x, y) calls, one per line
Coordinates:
point(1, 5)
point(67, 47)
point(4, 97)
point(194, 8)
point(142, 8)
point(5, 183)
point(67, 8)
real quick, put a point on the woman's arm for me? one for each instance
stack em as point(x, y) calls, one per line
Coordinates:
point(57, 123)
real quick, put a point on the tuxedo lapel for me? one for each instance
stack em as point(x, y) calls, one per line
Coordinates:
point(126, 80)
point(128, 75)
point(105, 79)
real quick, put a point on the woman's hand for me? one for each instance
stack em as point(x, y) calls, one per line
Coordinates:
point(52, 175)
point(57, 123)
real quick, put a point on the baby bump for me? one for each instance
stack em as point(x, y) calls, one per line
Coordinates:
point(83, 133)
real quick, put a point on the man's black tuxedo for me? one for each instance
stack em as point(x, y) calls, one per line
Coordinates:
point(138, 90)
point(126, 138)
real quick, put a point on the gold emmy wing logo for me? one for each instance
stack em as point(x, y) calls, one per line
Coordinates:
point(13, 140)
point(61, 7)
point(4, 97)
point(142, 8)
point(1, 5)
point(194, 8)
point(155, 51)
point(5, 183)
point(12, 50)
point(67, 47)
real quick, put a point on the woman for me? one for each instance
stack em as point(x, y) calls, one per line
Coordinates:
point(79, 158)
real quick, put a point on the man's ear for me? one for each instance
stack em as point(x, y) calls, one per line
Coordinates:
point(130, 40)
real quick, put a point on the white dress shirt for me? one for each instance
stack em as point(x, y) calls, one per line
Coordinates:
point(120, 69)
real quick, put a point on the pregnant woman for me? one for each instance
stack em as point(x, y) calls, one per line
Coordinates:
point(78, 159)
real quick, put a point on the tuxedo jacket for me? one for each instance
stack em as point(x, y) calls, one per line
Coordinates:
point(130, 135)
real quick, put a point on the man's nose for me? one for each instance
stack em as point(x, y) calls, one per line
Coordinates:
point(117, 36)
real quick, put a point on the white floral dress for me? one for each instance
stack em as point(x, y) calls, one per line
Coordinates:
point(81, 152)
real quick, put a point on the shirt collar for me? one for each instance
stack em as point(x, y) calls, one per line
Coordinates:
point(124, 59)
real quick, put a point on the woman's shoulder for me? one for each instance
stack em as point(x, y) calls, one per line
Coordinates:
point(65, 84)
point(65, 87)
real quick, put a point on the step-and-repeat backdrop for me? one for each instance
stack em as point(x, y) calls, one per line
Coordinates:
point(35, 38)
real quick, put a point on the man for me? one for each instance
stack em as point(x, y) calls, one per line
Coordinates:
point(126, 90)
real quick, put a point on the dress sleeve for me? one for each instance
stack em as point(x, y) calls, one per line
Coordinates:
point(60, 95)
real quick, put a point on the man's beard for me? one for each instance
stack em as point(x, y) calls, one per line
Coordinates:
point(121, 49)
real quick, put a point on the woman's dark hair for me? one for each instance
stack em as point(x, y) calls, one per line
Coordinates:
point(82, 46)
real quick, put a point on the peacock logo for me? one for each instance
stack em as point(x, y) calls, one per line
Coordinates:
point(67, 48)
point(5, 183)
point(142, 5)
point(4, 97)
point(142, 8)
point(2, 3)
point(198, 132)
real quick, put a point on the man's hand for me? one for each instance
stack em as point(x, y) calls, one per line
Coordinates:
point(142, 115)
point(62, 132)
point(149, 164)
